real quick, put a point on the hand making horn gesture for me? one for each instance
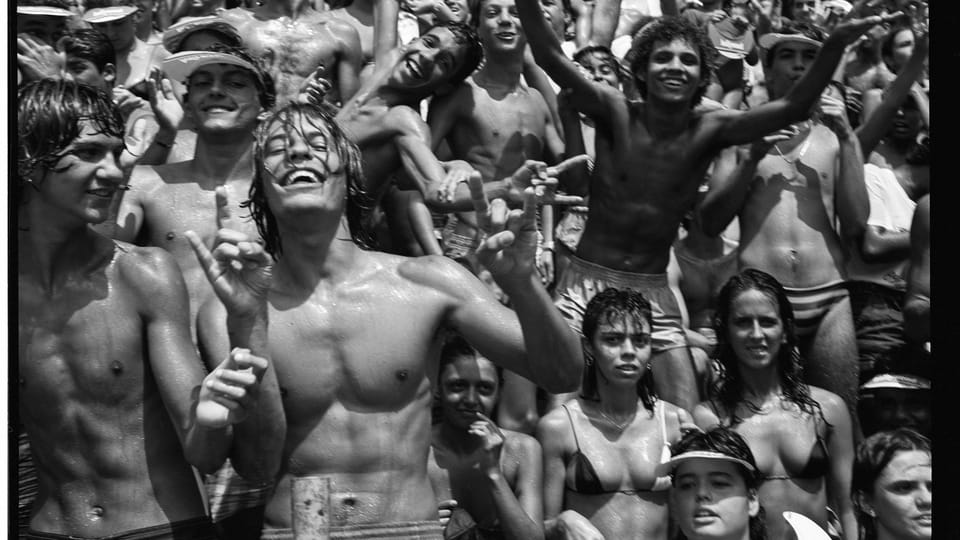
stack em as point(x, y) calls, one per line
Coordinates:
point(238, 268)
point(543, 180)
point(509, 247)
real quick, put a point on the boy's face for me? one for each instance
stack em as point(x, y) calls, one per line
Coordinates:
point(428, 61)
point(791, 59)
point(499, 26)
point(712, 500)
point(84, 71)
point(121, 32)
point(600, 67)
point(673, 72)
point(805, 10)
point(223, 97)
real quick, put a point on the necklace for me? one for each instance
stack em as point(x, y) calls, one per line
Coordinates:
point(623, 424)
point(803, 150)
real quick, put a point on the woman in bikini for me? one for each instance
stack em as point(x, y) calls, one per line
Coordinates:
point(800, 434)
point(601, 449)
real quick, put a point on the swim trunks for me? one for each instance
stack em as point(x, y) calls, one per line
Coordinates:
point(811, 304)
point(408, 530)
point(199, 528)
point(583, 280)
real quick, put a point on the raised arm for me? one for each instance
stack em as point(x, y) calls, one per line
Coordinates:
point(350, 59)
point(877, 120)
point(853, 203)
point(386, 14)
point(740, 127)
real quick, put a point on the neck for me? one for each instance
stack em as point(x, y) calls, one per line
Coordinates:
point(220, 156)
point(501, 69)
point(665, 119)
point(313, 252)
point(288, 8)
point(50, 247)
point(901, 145)
point(759, 384)
point(616, 399)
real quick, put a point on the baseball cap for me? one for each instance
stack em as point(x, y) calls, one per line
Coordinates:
point(107, 14)
point(897, 381)
point(771, 40)
point(668, 467)
point(181, 65)
point(177, 33)
point(44, 11)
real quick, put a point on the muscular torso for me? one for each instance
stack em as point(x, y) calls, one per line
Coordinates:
point(640, 189)
point(787, 219)
point(173, 202)
point(108, 457)
point(292, 49)
point(355, 372)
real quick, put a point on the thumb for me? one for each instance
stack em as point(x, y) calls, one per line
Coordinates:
point(230, 362)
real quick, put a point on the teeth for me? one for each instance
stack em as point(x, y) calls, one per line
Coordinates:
point(303, 177)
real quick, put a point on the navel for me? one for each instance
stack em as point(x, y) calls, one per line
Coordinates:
point(95, 513)
point(116, 367)
point(402, 375)
point(171, 236)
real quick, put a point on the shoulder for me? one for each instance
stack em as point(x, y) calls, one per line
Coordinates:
point(704, 415)
point(150, 269)
point(831, 404)
point(519, 444)
point(404, 118)
point(555, 424)
point(339, 27)
point(435, 271)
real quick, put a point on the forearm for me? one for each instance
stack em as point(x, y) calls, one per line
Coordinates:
point(807, 91)
point(514, 522)
point(853, 203)
point(462, 202)
point(726, 196)
point(206, 448)
point(554, 356)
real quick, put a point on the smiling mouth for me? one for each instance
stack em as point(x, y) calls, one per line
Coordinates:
point(217, 108)
point(414, 69)
point(302, 176)
point(106, 193)
point(506, 35)
point(673, 83)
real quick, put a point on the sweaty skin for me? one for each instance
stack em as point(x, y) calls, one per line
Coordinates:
point(295, 41)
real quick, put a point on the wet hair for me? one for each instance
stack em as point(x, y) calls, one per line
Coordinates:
point(607, 306)
point(728, 390)
point(455, 346)
point(873, 455)
point(473, 55)
point(622, 73)
point(725, 441)
point(50, 113)
point(89, 44)
point(266, 89)
point(805, 29)
point(665, 30)
point(291, 118)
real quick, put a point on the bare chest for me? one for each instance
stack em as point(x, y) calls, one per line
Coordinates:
point(294, 47)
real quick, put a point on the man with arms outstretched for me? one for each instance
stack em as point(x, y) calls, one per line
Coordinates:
point(651, 158)
point(355, 333)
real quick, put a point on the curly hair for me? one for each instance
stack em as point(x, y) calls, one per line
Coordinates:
point(725, 441)
point(292, 118)
point(728, 389)
point(666, 30)
point(873, 456)
point(607, 306)
point(50, 114)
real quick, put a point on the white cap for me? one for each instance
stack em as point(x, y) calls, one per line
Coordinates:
point(668, 467)
point(771, 40)
point(898, 381)
point(44, 11)
point(107, 14)
point(176, 33)
point(181, 65)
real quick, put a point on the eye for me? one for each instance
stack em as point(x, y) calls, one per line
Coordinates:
point(689, 59)
point(86, 153)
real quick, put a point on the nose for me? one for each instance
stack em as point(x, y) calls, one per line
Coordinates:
point(924, 497)
point(504, 17)
point(470, 397)
point(628, 348)
point(755, 330)
point(297, 149)
point(109, 170)
point(703, 491)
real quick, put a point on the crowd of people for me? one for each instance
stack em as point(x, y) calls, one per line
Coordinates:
point(473, 269)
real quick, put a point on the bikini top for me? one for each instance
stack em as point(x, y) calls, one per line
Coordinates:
point(585, 478)
point(817, 466)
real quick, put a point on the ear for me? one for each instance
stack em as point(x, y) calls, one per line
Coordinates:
point(864, 502)
point(753, 503)
point(109, 73)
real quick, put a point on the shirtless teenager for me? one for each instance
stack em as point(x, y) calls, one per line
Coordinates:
point(802, 204)
point(112, 394)
point(297, 42)
point(651, 159)
point(117, 19)
point(354, 333)
point(492, 475)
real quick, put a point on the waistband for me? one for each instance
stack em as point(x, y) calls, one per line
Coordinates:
point(618, 277)
point(403, 530)
point(201, 527)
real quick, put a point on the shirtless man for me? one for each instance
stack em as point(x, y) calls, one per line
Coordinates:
point(354, 333)
point(376, 24)
point(790, 202)
point(492, 475)
point(117, 19)
point(226, 92)
point(651, 159)
point(297, 42)
point(113, 396)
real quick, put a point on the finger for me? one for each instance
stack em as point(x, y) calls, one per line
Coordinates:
point(448, 503)
point(253, 252)
point(479, 198)
point(529, 216)
point(227, 402)
point(224, 390)
point(247, 360)
point(223, 207)
point(167, 87)
point(226, 253)
point(567, 164)
point(241, 379)
point(203, 254)
point(566, 200)
point(498, 215)
point(498, 241)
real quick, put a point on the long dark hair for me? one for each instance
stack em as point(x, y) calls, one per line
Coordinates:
point(359, 203)
point(606, 306)
point(727, 391)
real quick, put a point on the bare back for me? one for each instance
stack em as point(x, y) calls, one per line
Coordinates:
point(787, 220)
point(108, 457)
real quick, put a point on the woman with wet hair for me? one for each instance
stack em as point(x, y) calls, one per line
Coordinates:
point(801, 435)
point(892, 486)
point(601, 449)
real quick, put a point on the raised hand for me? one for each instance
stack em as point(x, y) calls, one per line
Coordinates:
point(37, 60)
point(229, 390)
point(509, 247)
point(850, 30)
point(487, 455)
point(458, 172)
point(315, 87)
point(238, 268)
point(833, 114)
point(543, 179)
point(163, 101)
